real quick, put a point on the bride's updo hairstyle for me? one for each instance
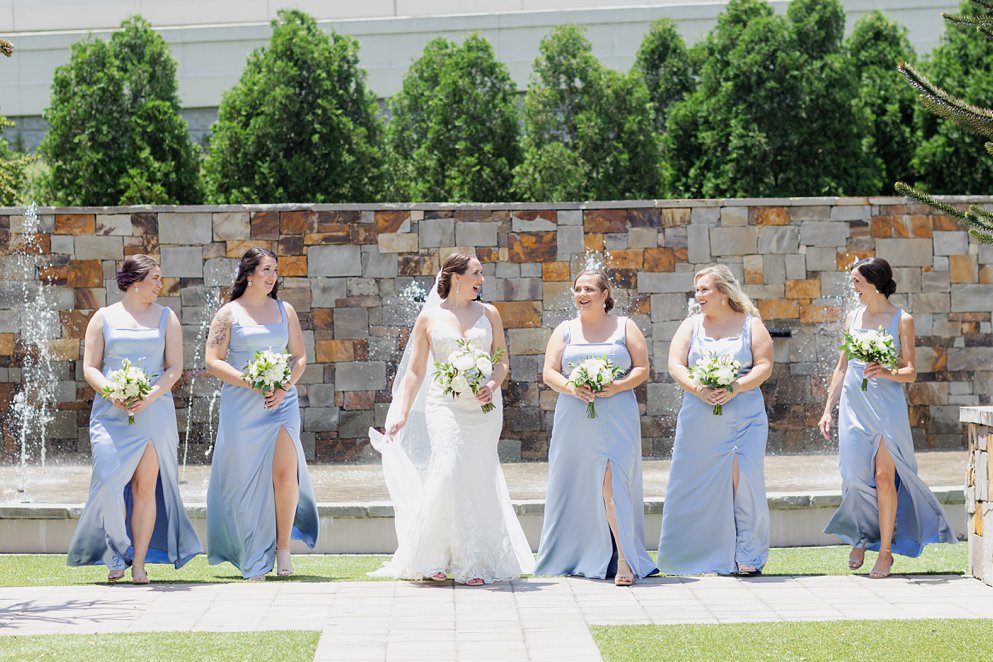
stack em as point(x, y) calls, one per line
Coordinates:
point(877, 272)
point(602, 284)
point(729, 286)
point(456, 263)
point(249, 261)
point(134, 270)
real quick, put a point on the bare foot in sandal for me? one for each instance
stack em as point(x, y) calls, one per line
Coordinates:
point(884, 563)
point(856, 558)
point(623, 576)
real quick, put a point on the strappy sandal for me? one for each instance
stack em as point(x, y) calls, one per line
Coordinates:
point(438, 577)
point(623, 579)
point(476, 581)
point(256, 578)
point(879, 574)
point(748, 571)
point(855, 562)
point(115, 576)
point(284, 564)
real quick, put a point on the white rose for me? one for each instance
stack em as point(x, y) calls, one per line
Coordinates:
point(463, 362)
point(131, 391)
point(484, 366)
point(606, 375)
point(725, 375)
point(459, 384)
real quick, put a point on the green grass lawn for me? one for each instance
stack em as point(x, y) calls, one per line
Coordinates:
point(281, 645)
point(932, 640)
point(51, 570)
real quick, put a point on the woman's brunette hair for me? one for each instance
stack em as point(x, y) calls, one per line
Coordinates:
point(877, 272)
point(249, 261)
point(601, 282)
point(134, 270)
point(456, 263)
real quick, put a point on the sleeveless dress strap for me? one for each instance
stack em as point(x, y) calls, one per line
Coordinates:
point(567, 332)
point(282, 312)
point(163, 319)
point(622, 330)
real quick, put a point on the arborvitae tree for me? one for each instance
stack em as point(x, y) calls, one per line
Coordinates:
point(876, 46)
point(587, 131)
point(455, 127)
point(115, 133)
point(948, 159)
point(300, 125)
point(772, 114)
point(12, 166)
point(664, 64)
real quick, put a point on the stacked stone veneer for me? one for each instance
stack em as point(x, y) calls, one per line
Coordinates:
point(978, 422)
point(344, 267)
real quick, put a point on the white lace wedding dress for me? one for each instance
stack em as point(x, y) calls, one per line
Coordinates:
point(464, 524)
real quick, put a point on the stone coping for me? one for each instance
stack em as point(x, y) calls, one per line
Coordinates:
point(977, 415)
point(496, 206)
point(947, 495)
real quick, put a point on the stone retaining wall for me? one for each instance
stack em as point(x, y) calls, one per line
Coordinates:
point(978, 422)
point(348, 270)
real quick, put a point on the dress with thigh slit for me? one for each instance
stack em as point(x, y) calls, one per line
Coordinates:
point(707, 526)
point(575, 535)
point(103, 535)
point(866, 418)
point(241, 505)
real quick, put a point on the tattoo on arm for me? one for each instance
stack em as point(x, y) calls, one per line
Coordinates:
point(219, 330)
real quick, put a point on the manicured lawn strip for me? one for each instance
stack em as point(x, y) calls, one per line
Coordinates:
point(51, 570)
point(933, 640)
point(833, 560)
point(214, 646)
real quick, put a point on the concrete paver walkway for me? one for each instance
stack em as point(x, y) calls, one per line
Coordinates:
point(529, 619)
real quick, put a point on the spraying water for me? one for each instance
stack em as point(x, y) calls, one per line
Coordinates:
point(199, 376)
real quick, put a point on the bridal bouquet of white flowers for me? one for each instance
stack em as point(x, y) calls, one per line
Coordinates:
point(716, 371)
point(127, 384)
point(268, 370)
point(465, 369)
point(594, 374)
point(870, 347)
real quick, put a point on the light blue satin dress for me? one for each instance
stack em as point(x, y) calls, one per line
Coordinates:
point(865, 418)
point(103, 535)
point(706, 525)
point(241, 506)
point(575, 536)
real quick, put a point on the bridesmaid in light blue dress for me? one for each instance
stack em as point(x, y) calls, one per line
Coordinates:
point(134, 514)
point(260, 494)
point(885, 506)
point(594, 523)
point(715, 517)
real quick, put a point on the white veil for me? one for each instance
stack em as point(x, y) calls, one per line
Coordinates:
point(406, 456)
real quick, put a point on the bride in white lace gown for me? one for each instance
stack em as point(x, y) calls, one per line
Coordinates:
point(454, 515)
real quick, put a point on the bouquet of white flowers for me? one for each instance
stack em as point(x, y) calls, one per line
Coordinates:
point(870, 347)
point(127, 384)
point(465, 369)
point(594, 374)
point(268, 370)
point(716, 371)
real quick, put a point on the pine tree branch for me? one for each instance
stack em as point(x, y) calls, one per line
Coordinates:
point(988, 4)
point(981, 20)
point(987, 32)
point(973, 118)
point(6, 47)
point(979, 220)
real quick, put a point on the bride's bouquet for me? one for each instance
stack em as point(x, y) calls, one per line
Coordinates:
point(127, 384)
point(716, 371)
point(268, 370)
point(870, 347)
point(594, 374)
point(465, 369)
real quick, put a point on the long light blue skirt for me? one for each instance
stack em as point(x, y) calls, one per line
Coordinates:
point(707, 526)
point(241, 505)
point(865, 419)
point(575, 535)
point(103, 534)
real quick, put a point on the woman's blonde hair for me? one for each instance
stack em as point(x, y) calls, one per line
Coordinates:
point(725, 281)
